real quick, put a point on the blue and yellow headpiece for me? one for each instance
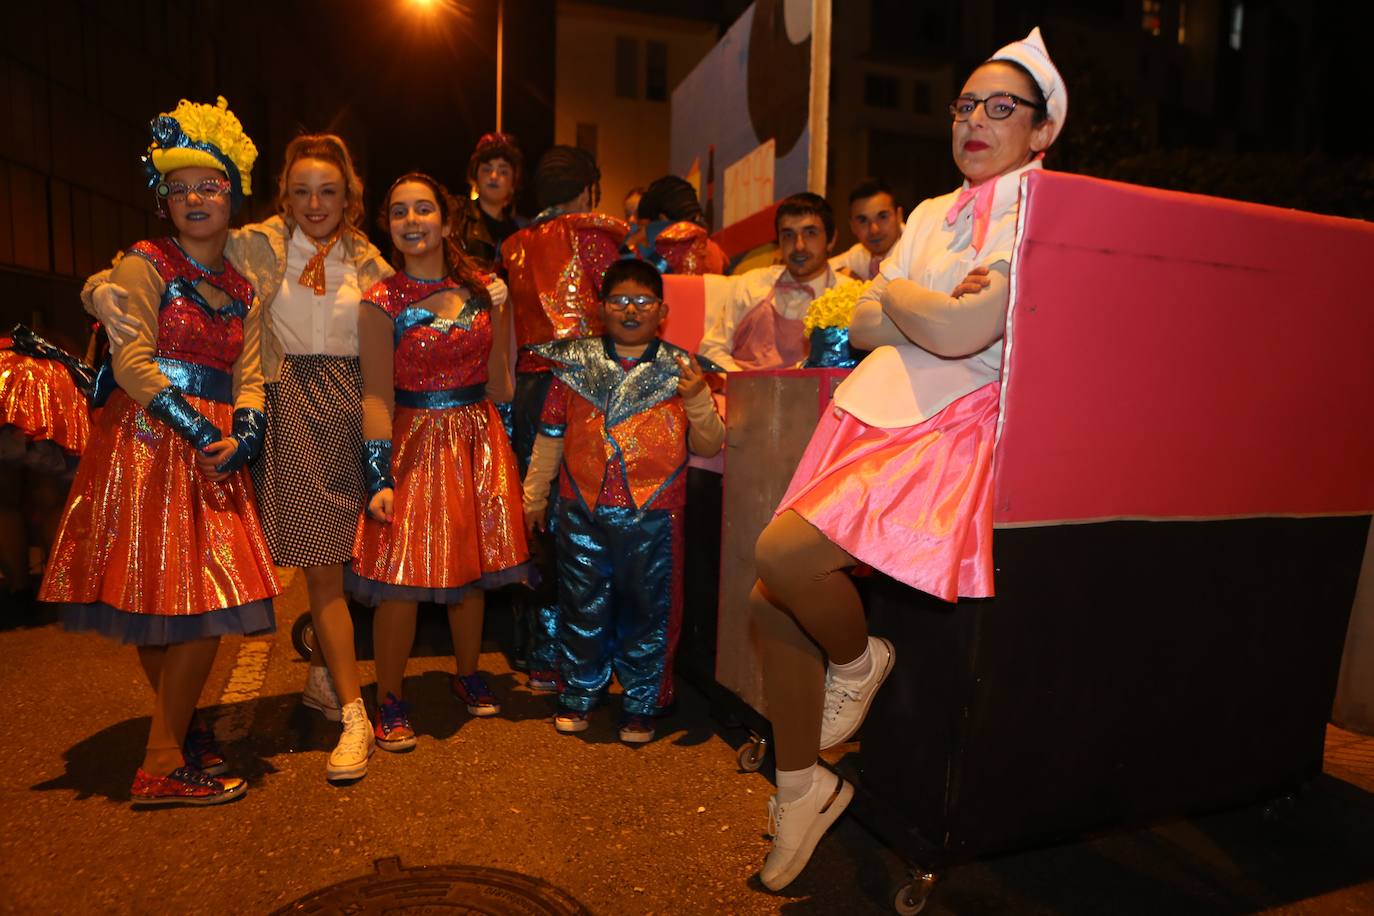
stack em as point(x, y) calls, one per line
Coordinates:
point(202, 135)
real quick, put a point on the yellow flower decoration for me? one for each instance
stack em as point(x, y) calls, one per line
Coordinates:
point(833, 308)
point(214, 125)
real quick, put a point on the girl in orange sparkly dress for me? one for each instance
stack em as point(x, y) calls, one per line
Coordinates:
point(443, 520)
point(160, 544)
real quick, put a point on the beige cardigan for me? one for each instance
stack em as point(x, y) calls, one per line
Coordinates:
point(258, 250)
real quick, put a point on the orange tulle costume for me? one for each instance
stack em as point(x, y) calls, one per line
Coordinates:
point(456, 517)
point(150, 551)
point(44, 415)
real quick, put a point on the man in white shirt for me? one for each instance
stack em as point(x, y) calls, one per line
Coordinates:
point(877, 223)
point(754, 320)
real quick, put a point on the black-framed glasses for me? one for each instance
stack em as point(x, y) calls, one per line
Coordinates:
point(998, 106)
point(621, 303)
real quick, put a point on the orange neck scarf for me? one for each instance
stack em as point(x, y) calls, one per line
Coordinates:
point(313, 275)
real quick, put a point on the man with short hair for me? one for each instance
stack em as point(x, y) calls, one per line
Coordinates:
point(754, 320)
point(876, 221)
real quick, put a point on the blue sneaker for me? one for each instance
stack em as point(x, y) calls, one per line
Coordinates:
point(473, 691)
point(636, 728)
point(393, 731)
point(202, 751)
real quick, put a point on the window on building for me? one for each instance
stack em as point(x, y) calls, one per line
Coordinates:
point(626, 68)
point(881, 91)
point(1150, 16)
point(586, 138)
point(1237, 25)
point(655, 71)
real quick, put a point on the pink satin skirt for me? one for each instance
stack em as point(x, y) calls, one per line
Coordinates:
point(914, 502)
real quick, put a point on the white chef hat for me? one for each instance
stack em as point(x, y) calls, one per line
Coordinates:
point(1030, 53)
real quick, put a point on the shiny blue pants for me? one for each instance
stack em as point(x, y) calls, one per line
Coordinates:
point(620, 597)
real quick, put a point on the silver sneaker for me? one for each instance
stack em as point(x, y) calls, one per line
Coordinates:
point(846, 705)
point(796, 828)
point(349, 758)
point(319, 693)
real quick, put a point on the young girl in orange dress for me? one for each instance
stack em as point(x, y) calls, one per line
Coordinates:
point(160, 544)
point(443, 521)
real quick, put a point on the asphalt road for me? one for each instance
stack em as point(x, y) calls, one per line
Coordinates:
point(670, 827)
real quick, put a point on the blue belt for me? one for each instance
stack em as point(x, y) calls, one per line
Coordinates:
point(198, 381)
point(441, 400)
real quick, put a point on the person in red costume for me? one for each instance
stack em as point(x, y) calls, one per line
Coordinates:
point(443, 519)
point(160, 544)
point(553, 270)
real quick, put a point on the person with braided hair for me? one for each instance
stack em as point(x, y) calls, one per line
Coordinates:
point(554, 267)
point(672, 232)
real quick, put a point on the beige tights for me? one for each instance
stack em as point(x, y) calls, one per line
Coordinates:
point(179, 672)
point(333, 630)
point(805, 610)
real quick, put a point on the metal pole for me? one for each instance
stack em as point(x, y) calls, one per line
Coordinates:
point(500, 56)
point(820, 95)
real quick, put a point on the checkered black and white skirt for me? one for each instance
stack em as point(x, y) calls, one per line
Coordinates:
point(309, 477)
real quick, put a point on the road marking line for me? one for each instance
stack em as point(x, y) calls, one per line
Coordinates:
point(245, 683)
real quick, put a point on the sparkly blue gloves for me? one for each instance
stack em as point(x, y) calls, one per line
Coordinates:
point(377, 465)
point(172, 408)
point(249, 427)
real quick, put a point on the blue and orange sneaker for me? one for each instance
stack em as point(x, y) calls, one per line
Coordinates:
point(183, 786)
point(202, 751)
point(545, 680)
point(393, 731)
point(473, 691)
point(636, 728)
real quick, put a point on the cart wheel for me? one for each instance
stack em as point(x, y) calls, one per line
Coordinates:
point(303, 636)
point(911, 898)
point(1281, 813)
point(750, 757)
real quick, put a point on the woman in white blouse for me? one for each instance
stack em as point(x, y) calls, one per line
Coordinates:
point(898, 473)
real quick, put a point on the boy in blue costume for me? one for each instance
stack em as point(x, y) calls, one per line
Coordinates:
point(620, 416)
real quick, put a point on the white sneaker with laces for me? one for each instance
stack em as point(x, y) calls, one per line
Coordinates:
point(319, 693)
point(846, 705)
point(356, 744)
point(796, 828)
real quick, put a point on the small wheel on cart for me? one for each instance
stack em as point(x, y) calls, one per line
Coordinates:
point(911, 898)
point(750, 756)
point(303, 636)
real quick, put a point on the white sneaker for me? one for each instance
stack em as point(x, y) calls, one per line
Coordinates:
point(796, 828)
point(349, 758)
point(319, 693)
point(846, 705)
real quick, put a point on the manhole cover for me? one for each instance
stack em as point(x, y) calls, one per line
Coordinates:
point(442, 889)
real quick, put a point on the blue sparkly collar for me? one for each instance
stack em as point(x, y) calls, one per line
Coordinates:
point(589, 366)
point(199, 266)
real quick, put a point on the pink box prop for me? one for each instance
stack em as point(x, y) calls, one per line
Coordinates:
point(1171, 356)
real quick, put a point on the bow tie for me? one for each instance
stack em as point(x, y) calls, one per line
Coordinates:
point(981, 196)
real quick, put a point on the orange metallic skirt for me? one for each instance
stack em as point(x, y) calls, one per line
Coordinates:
point(40, 406)
point(150, 551)
point(456, 516)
